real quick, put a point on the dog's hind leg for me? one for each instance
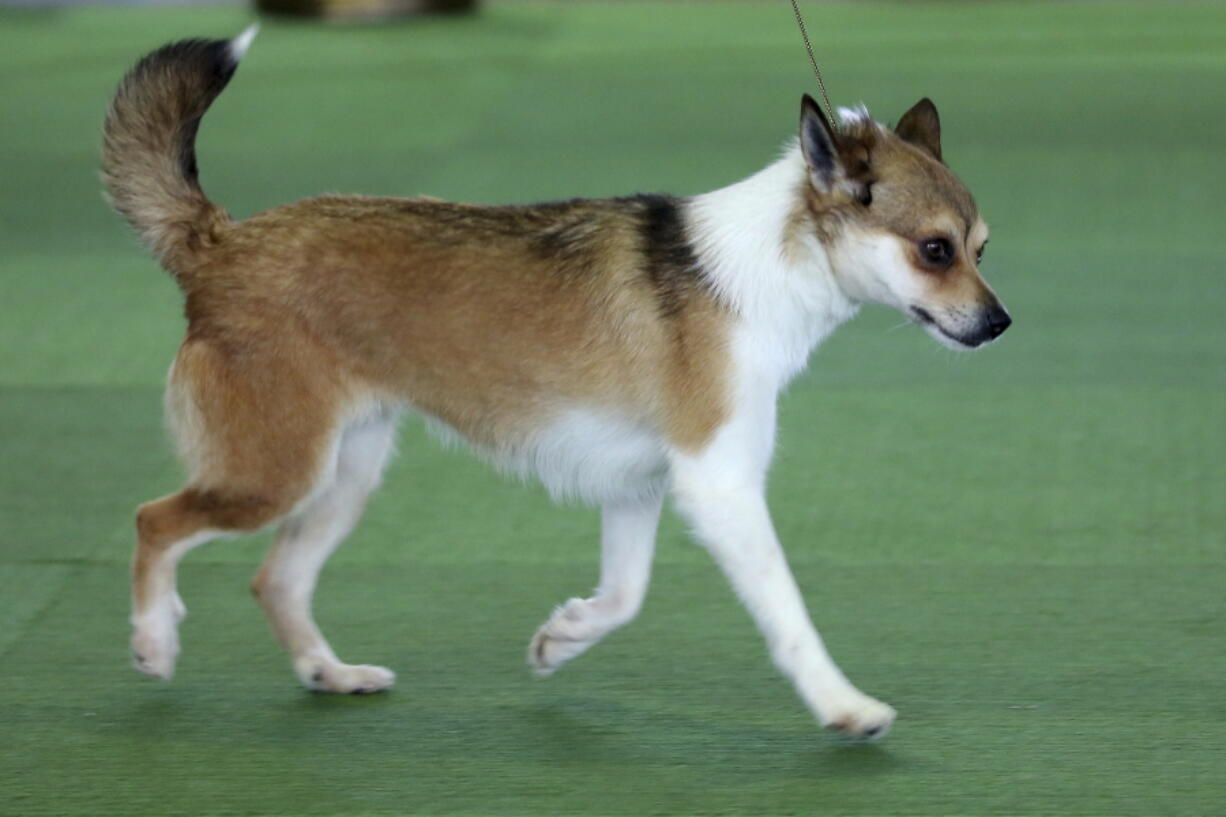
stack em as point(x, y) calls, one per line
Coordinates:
point(286, 582)
point(257, 446)
point(627, 542)
point(167, 529)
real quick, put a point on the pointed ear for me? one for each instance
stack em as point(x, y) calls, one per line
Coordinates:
point(921, 126)
point(817, 144)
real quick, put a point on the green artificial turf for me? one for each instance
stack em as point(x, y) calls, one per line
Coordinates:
point(1021, 549)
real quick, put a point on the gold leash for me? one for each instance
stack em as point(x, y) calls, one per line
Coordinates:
point(800, 21)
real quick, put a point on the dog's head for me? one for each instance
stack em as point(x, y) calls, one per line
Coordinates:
point(899, 227)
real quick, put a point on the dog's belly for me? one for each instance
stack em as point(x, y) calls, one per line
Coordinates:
point(586, 454)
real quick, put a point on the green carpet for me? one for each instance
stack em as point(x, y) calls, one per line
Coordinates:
point(1021, 549)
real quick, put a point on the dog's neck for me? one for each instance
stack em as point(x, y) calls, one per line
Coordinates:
point(768, 268)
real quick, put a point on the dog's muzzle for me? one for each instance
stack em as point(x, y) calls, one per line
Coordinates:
point(991, 324)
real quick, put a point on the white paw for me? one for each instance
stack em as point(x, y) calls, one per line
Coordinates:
point(347, 679)
point(548, 651)
point(155, 644)
point(856, 715)
point(568, 633)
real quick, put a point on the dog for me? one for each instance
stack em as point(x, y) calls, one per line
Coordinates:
point(618, 350)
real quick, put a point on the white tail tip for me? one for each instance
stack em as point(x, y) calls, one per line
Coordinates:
point(240, 44)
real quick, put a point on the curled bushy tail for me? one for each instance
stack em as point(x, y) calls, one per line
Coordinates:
point(149, 151)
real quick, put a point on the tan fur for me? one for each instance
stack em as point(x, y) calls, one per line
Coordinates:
point(306, 314)
point(914, 196)
point(464, 312)
point(309, 313)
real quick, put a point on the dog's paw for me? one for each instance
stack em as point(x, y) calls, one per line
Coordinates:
point(856, 715)
point(346, 679)
point(567, 634)
point(547, 652)
point(155, 646)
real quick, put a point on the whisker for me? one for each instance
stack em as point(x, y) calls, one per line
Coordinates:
point(899, 326)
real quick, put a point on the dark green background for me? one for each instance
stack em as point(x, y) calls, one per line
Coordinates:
point(1021, 549)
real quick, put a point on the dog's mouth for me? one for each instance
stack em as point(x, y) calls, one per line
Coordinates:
point(925, 319)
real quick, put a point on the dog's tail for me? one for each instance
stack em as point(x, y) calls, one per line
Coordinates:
point(149, 147)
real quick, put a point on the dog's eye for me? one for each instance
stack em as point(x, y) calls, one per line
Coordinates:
point(979, 254)
point(937, 251)
point(866, 195)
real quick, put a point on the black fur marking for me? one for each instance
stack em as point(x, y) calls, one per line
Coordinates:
point(216, 57)
point(671, 263)
point(202, 68)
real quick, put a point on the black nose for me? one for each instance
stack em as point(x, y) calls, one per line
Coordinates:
point(998, 321)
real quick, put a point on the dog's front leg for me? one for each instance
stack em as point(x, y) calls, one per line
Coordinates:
point(627, 541)
point(721, 493)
